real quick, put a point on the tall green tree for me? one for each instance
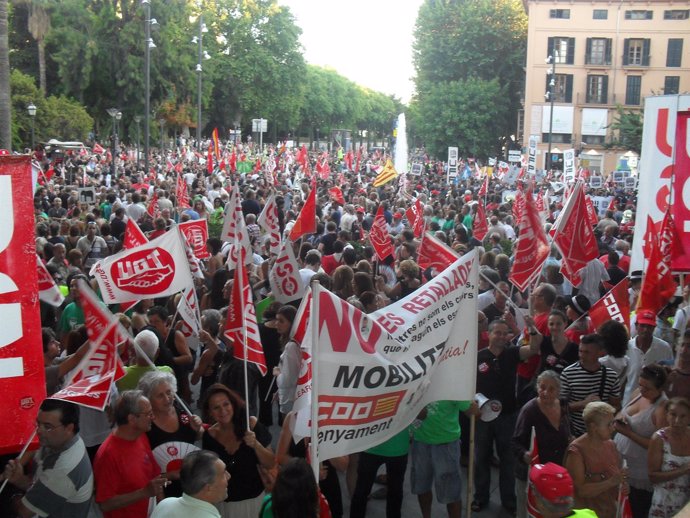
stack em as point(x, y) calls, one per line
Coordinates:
point(627, 129)
point(5, 106)
point(458, 43)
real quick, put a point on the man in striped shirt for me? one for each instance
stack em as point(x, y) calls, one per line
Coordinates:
point(62, 486)
point(587, 380)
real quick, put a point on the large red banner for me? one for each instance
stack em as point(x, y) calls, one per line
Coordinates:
point(22, 378)
point(680, 208)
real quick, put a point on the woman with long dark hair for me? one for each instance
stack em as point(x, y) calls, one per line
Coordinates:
point(287, 370)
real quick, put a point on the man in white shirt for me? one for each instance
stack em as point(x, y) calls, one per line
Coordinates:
point(645, 349)
point(204, 481)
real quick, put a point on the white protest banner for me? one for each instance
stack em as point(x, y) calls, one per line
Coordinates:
point(268, 220)
point(569, 165)
point(374, 373)
point(532, 156)
point(154, 269)
point(284, 278)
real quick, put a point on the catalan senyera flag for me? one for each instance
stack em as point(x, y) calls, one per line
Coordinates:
point(216, 144)
point(386, 174)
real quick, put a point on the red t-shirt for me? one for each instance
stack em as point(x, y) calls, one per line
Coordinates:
point(123, 466)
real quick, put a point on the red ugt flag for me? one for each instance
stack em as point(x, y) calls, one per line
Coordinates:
point(532, 247)
point(415, 217)
point(379, 236)
point(242, 327)
point(480, 227)
point(433, 253)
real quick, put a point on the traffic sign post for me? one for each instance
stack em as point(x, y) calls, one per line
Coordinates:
point(260, 126)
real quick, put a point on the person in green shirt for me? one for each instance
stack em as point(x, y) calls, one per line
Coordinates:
point(392, 453)
point(435, 455)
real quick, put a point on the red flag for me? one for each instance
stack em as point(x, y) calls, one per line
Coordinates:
point(101, 366)
point(133, 235)
point(306, 221)
point(48, 291)
point(241, 326)
point(323, 168)
point(540, 203)
point(216, 144)
point(433, 253)
point(379, 236)
point(181, 193)
point(196, 234)
point(679, 206)
point(233, 161)
point(480, 226)
point(337, 195)
point(153, 209)
point(257, 165)
point(532, 247)
point(301, 157)
point(209, 160)
point(615, 305)
point(348, 160)
point(650, 239)
point(484, 189)
point(612, 204)
point(268, 220)
point(518, 204)
point(574, 236)
point(98, 149)
point(359, 160)
point(658, 285)
point(623, 505)
point(591, 212)
point(415, 217)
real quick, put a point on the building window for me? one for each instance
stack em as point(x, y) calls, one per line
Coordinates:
point(671, 85)
point(563, 14)
point(632, 90)
point(636, 52)
point(600, 14)
point(563, 48)
point(562, 88)
point(594, 140)
point(597, 89)
point(677, 14)
point(558, 138)
point(674, 52)
point(598, 51)
point(639, 15)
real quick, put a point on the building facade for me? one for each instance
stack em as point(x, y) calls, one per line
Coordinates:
point(603, 55)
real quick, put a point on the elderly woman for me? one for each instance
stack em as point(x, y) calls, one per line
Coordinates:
point(594, 462)
point(548, 416)
point(635, 424)
point(669, 461)
point(244, 447)
point(173, 432)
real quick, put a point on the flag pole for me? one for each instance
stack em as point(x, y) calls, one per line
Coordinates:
point(21, 454)
point(313, 324)
point(246, 376)
point(470, 466)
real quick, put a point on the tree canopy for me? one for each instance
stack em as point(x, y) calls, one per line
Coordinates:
point(469, 57)
point(94, 53)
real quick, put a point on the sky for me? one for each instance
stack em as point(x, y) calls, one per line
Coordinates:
point(366, 41)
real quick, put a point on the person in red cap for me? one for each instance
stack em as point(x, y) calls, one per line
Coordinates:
point(552, 487)
point(644, 349)
point(396, 226)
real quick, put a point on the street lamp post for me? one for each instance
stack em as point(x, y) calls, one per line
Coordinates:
point(148, 45)
point(161, 121)
point(199, 68)
point(115, 115)
point(551, 97)
point(137, 120)
point(32, 115)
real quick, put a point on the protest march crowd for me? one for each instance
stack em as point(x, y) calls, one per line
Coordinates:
point(585, 362)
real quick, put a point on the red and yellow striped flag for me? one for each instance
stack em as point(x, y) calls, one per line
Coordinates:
point(386, 175)
point(216, 144)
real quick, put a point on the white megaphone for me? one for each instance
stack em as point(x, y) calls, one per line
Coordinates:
point(489, 409)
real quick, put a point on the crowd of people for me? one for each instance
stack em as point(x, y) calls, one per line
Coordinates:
point(609, 407)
